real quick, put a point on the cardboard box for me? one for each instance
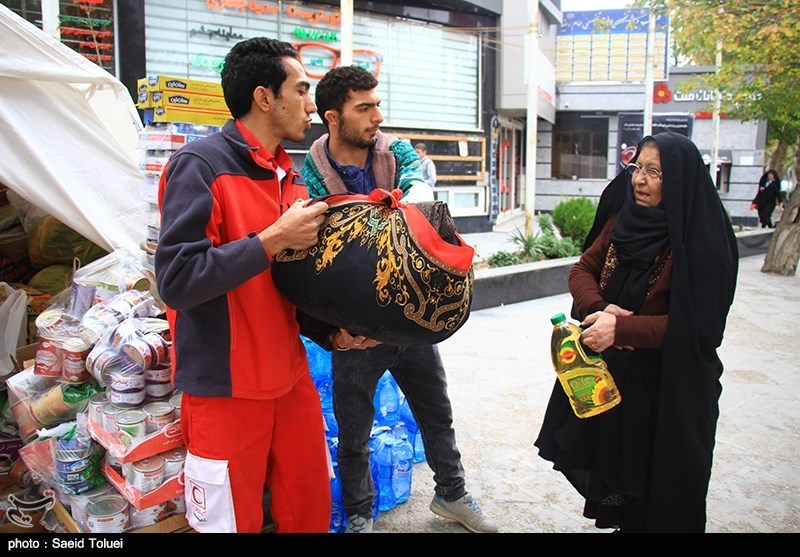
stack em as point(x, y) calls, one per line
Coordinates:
point(172, 83)
point(174, 524)
point(25, 357)
point(182, 99)
point(170, 489)
point(169, 437)
point(35, 527)
point(183, 114)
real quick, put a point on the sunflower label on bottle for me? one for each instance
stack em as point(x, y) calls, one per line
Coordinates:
point(583, 373)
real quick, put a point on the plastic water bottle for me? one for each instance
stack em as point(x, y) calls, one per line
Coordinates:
point(383, 465)
point(404, 454)
point(338, 515)
point(387, 401)
point(582, 372)
point(412, 428)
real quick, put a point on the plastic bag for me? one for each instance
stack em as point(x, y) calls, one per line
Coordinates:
point(105, 278)
point(12, 325)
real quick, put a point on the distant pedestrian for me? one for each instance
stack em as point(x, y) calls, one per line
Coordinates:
point(428, 168)
point(767, 197)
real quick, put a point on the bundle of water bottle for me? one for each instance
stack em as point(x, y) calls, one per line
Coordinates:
point(395, 443)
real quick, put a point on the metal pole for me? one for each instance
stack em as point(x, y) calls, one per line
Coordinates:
point(50, 22)
point(532, 116)
point(346, 9)
point(712, 168)
point(648, 74)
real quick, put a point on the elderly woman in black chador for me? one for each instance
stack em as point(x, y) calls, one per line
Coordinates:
point(767, 197)
point(653, 287)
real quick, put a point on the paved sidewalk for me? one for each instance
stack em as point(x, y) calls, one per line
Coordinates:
point(500, 379)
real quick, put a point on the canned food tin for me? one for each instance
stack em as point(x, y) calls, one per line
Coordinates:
point(137, 354)
point(110, 413)
point(49, 319)
point(73, 368)
point(159, 374)
point(96, 322)
point(107, 514)
point(69, 466)
point(147, 516)
point(159, 414)
point(49, 358)
point(82, 298)
point(158, 390)
point(147, 474)
point(26, 421)
point(20, 474)
point(81, 486)
point(97, 360)
point(175, 400)
point(78, 502)
point(126, 382)
point(158, 346)
point(126, 400)
point(173, 461)
point(72, 477)
point(94, 409)
point(49, 407)
point(131, 302)
point(131, 426)
point(76, 448)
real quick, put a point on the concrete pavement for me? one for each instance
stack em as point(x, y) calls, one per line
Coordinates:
point(500, 379)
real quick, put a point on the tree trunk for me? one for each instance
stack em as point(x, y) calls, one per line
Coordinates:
point(777, 160)
point(784, 250)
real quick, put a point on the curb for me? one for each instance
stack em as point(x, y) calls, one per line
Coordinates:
point(519, 283)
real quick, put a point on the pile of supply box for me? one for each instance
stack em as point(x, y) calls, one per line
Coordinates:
point(176, 111)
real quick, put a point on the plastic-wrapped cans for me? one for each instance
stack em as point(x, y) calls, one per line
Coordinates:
point(73, 367)
point(49, 358)
point(146, 475)
point(161, 373)
point(156, 389)
point(125, 382)
point(131, 427)
point(137, 353)
point(158, 414)
point(107, 514)
point(94, 409)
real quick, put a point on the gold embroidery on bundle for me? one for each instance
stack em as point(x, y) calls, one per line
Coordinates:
point(405, 276)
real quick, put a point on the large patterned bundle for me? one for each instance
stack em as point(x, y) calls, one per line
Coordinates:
point(383, 270)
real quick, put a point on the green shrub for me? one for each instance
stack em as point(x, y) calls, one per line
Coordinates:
point(528, 246)
point(546, 224)
point(504, 259)
point(574, 218)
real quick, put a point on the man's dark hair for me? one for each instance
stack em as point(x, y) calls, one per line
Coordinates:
point(250, 63)
point(421, 147)
point(332, 90)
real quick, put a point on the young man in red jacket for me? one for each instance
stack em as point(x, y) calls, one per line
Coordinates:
point(250, 414)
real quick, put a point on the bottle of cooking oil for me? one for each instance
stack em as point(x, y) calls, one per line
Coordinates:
point(582, 372)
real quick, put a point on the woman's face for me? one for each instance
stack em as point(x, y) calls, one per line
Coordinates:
point(647, 189)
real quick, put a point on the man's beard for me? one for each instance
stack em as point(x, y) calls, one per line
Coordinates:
point(352, 137)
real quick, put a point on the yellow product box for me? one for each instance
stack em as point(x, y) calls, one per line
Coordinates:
point(189, 100)
point(188, 115)
point(170, 83)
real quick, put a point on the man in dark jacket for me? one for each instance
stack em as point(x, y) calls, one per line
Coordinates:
point(357, 157)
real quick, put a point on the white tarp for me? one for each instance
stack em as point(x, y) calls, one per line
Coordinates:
point(68, 132)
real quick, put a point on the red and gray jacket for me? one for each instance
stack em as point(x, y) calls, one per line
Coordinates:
point(233, 333)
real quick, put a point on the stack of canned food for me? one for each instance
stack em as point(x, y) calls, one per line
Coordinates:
point(77, 464)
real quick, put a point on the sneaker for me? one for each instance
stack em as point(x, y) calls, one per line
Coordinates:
point(466, 511)
point(358, 524)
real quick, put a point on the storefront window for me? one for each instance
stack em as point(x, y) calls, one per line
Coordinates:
point(580, 146)
point(428, 75)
